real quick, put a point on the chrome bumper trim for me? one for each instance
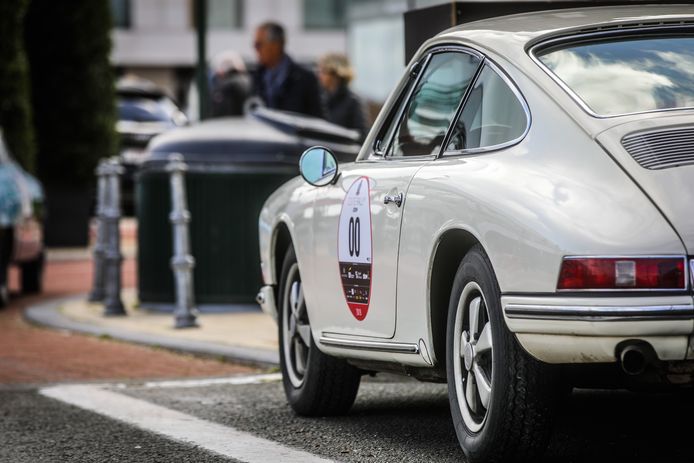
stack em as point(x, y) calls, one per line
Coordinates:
point(266, 300)
point(610, 313)
point(381, 346)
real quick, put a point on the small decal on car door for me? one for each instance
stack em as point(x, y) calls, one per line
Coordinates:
point(354, 248)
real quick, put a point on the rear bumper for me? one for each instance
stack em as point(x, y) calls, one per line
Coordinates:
point(588, 330)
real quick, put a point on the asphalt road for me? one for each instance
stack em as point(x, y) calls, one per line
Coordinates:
point(394, 420)
point(36, 429)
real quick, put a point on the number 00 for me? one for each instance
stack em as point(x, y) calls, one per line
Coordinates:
point(354, 236)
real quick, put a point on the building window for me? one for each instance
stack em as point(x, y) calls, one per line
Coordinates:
point(225, 14)
point(120, 13)
point(325, 14)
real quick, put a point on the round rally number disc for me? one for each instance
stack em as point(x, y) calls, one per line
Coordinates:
point(354, 248)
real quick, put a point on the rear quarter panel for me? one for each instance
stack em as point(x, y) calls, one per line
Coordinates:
point(556, 193)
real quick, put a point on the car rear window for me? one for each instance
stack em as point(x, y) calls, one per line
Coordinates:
point(628, 74)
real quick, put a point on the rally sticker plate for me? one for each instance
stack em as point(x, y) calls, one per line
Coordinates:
point(354, 248)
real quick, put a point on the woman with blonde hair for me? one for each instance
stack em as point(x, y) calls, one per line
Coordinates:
point(343, 106)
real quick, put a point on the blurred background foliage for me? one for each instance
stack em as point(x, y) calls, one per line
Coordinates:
point(72, 87)
point(15, 107)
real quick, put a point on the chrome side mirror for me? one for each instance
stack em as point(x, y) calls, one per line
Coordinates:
point(318, 166)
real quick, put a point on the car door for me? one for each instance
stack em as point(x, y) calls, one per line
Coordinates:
point(483, 154)
point(357, 220)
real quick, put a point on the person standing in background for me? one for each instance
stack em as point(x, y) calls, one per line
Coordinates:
point(279, 81)
point(230, 84)
point(343, 106)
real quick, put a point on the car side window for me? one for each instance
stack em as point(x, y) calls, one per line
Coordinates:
point(430, 110)
point(493, 115)
point(389, 126)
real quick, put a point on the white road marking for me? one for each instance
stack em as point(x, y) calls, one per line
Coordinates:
point(223, 440)
point(233, 380)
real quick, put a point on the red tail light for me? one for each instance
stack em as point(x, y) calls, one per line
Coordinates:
point(622, 273)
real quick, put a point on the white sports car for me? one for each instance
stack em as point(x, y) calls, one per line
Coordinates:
point(521, 211)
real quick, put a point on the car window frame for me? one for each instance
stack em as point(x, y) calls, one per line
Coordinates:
point(498, 70)
point(397, 110)
point(386, 131)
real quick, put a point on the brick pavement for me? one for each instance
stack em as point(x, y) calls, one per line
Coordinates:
point(29, 354)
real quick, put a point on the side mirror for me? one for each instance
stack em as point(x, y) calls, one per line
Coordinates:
point(318, 166)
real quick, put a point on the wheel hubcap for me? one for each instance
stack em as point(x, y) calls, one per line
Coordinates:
point(297, 331)
point(473, 350)
point(468, 356)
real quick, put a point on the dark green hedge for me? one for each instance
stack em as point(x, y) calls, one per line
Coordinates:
point(72, 83)
point(15, 108)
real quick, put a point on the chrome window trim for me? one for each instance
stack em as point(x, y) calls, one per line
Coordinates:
point(519, 96)
point(437, 49)
point(532, 52)
point(687, 275)
point(599, 313)
point(381, 155)
point(380, 346)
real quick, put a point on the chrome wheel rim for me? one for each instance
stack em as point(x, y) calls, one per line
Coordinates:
point(296, 329)
point(473, 361)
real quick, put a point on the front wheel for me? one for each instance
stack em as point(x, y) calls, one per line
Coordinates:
point(502, 400)
point(315, 384)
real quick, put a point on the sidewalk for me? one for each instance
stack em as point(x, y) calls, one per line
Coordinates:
point(245, 335)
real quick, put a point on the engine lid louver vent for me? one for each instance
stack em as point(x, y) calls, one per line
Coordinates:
point(662, 149)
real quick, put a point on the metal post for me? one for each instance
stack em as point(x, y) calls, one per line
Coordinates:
point(201, 68)
point(113, 305)
point(97, 293)
point(182, 262)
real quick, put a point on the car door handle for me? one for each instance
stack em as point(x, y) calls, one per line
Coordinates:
point(397, 199)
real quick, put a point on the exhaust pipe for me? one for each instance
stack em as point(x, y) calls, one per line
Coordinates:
point(633, 359)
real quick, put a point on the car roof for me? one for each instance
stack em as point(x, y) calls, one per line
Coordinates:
point(511, 34)
point(508, 37)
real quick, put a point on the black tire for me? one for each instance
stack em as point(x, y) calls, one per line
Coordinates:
point(516, 423)
point(32, 275)
point(328, 385)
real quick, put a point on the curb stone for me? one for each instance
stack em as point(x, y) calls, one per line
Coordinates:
point(47, 314)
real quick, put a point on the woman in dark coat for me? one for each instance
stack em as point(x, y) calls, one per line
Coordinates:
point(343, 106)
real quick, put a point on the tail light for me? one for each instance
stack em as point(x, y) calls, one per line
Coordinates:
point(579, 273)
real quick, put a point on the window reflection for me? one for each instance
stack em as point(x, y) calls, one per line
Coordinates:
point(433, 105)
point(492, 115)
point(628, 75)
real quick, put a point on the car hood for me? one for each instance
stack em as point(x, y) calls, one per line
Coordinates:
point(658, 154)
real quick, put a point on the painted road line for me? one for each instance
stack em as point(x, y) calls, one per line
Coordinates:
point(233, 381)
point(223, 440)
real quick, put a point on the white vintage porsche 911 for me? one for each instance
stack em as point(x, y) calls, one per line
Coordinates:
point(521, 210)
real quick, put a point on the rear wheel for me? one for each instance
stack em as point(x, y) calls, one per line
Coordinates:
point(315, 384)
point(502, 400)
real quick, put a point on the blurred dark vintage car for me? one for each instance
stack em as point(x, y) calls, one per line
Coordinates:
point(234, 164)
point(144, 111)
point(21, 230)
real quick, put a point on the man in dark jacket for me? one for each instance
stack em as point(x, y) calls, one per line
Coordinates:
point(279, 81)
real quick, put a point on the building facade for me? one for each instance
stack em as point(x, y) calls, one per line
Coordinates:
point(156, 39)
